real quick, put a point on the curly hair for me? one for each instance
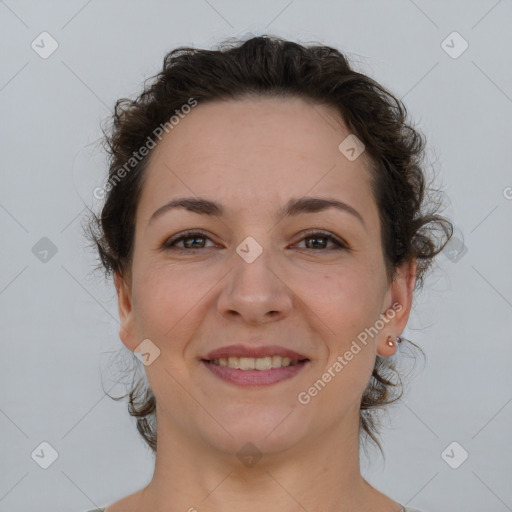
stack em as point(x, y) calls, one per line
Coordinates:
point(266, 66)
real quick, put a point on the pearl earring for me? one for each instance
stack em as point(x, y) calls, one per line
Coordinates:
point(391, 342)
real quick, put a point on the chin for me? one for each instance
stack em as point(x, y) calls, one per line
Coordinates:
point(270, 429)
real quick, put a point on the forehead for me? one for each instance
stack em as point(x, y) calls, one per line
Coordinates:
point(260, 149)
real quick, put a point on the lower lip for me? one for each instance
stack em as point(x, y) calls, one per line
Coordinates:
point(255, 377)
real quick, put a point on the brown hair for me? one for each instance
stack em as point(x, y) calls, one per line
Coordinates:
point(271, 66)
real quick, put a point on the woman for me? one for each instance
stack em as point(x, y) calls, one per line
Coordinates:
point(266, 225)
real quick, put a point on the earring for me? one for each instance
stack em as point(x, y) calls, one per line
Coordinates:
point(391, 342)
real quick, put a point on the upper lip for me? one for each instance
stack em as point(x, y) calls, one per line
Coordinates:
point(256, 352)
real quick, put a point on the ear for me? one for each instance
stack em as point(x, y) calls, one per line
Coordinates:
point(127, 329)
point(399, 306)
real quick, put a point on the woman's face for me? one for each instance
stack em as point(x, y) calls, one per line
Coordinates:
point(257, 277)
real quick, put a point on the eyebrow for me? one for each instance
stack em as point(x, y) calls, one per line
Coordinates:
point(293, 207)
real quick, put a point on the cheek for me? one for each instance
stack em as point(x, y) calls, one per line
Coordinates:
point(348, 304)
point(169, 297)
point(349, 307)
point(345, 299)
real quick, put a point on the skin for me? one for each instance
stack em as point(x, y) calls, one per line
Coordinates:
point(252, 155)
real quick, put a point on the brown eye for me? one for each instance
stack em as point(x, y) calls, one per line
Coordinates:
point(195, 240)
point(317, 236)
point(189, 239)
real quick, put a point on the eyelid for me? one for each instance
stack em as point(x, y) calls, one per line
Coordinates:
point(184, 234)
point(327, 234)
point(340, 243)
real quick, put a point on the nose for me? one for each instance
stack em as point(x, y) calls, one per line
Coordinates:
point(255, 292)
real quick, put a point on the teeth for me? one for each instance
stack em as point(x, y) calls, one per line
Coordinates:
point(254, 363)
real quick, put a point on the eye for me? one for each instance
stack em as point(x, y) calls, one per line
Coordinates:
point(185, 237)
point(190, 241)
point(323, 235)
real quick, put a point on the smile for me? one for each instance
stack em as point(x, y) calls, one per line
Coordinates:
point(250, 371)
point(255, 363)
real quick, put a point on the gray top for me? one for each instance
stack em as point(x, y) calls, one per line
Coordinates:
point(406, 509)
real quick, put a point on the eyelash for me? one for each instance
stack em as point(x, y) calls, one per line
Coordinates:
point(170, 244)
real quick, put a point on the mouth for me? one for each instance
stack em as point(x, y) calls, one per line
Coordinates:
point(255, 371)
point(251, 365)
point(255, 363)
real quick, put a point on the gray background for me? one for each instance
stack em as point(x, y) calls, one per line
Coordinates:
point(59, 329)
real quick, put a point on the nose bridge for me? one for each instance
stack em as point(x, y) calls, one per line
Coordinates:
point(252, 265)
point(252, 288)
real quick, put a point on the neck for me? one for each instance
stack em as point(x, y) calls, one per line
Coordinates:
point(318, 475)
